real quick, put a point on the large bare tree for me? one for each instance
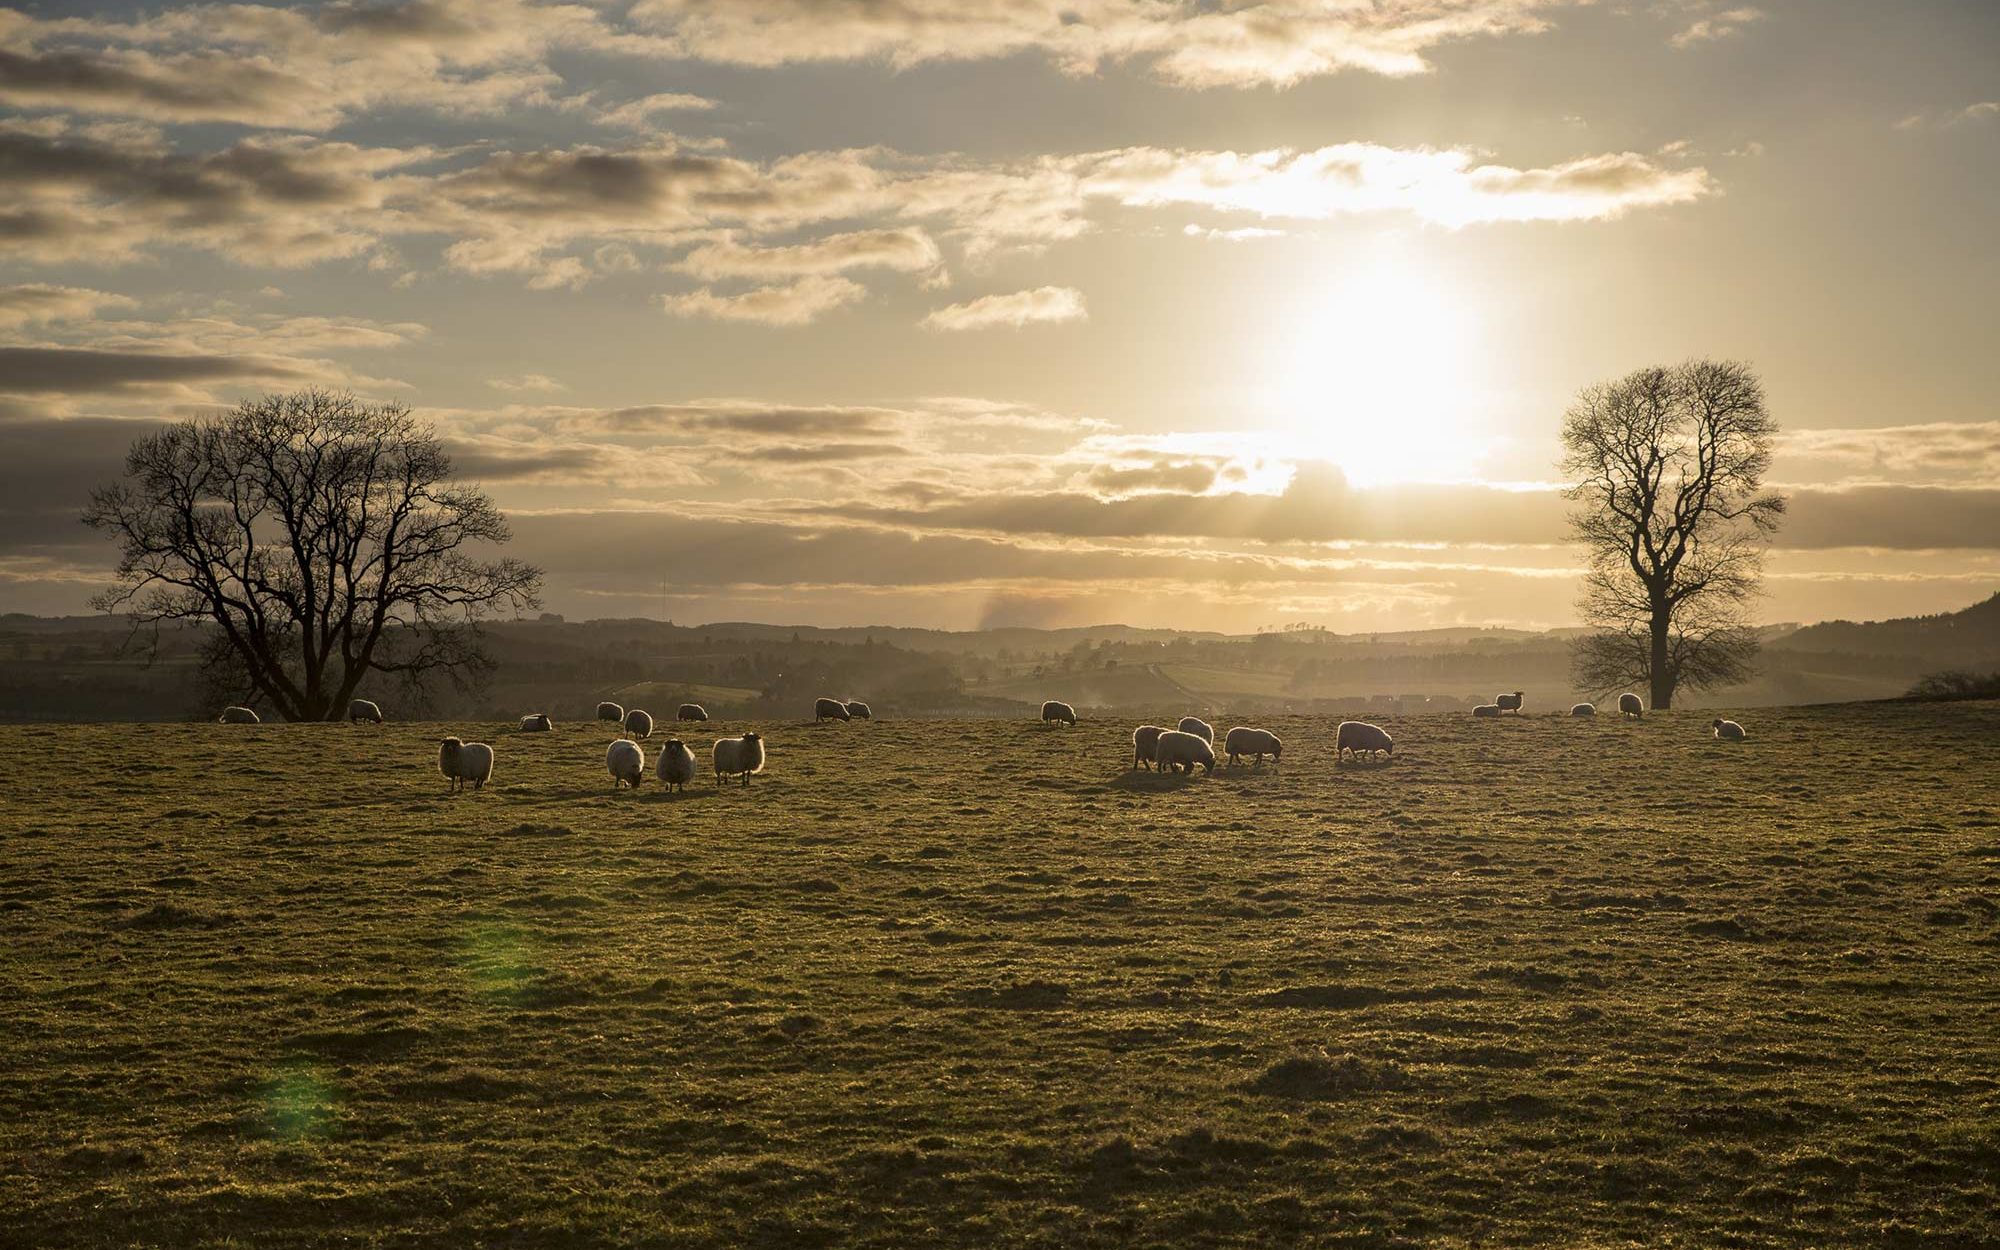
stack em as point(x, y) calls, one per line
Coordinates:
point(1668, 469)
point(321, 539)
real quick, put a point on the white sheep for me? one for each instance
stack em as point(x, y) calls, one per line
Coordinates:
point(738, 757)
point(1629, 705)
point(1144, 741)
point(608, 710)
point(639, 723)
point(676, 766)
point(1198, 727)
point(1583, 709)
point(538, 723)
point(1054, 711)
point(461, 762)
point(1179, 752)
point(1363, 738)
point(362, 709)
point(859, 710)
point(1728, 730)
point(1244, 740)
point(829, 709)
point(234, 715)
point(625, 760)
point(1509, 702)
point(691, 711)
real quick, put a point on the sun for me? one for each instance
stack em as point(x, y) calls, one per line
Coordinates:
point(1377, 372)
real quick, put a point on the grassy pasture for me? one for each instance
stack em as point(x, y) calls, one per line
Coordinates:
point(971, 983)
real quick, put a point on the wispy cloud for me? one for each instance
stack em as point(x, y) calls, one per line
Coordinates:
point(791, 304)
point(1714, 27)
point(1016, 309)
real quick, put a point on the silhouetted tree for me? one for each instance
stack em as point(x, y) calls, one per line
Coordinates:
point(1668, 469)
point(320, 538)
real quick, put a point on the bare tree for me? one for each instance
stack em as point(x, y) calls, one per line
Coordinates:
point(1668, 469)
point(320, 538)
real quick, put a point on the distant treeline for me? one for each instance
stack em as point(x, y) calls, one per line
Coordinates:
point(91, 668)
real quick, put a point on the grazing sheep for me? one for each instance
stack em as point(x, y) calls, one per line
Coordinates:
point(539, 723)
point(1485, 710)
point(1179, 752)
point(859, 710)
point(676, 767)
point(639, 723)
point(461, 762)
point(1727, 730)
point(829, 709)
point(1583, 709)
point(1363, 738)
point(1144, 739)
point(1629, 705)
point(362, 709)
point(238, 716)
point(738, 756)
point(626, 761)
point(1509, 702)
point(1198, 727)
point(691, 711)
point(1054, 711)
point(610, 711)
point(1244, 740)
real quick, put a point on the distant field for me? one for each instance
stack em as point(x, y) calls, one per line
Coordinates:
point(973, 984)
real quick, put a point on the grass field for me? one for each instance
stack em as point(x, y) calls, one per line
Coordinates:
point(972, 984)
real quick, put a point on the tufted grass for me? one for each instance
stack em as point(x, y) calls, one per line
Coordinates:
point(1539, 982)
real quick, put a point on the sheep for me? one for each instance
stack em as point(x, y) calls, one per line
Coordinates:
point(1144, 740)
point(639, 723)
point(539, 723)
point(1181, 752)
point(462, 761)
point(859, 710)
point(829, 709)
point(234, 715)
point(676, 767)
point(625, 760)
point(1583, 709)
point(1509, 702)
point(691, 711)
point(362, 709)
point(1485, 710)
point(1727, 730)
point(1054, 711)
point(1629, 705)
point(610, 711)
point(1198, 727)
point(1244, 740)
point(1363, 738)
point(738, 756)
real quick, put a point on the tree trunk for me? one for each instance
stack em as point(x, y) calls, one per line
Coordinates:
point(1656, 668)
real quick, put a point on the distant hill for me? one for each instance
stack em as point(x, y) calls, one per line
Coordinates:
point(1969, 637)
point(82, 669)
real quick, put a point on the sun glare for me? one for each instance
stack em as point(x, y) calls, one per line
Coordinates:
point(1378, 374)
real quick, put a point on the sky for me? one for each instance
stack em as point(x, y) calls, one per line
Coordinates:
point(1217, 314)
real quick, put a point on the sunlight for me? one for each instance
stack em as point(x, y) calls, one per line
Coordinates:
point(1377, 374)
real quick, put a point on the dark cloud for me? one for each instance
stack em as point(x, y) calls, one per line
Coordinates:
point(1899, 517)
point(82, 371)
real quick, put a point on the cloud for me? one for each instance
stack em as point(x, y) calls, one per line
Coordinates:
point(84, 371)
point(1949, 451)
point(1016, 309)
point(794, 304)
point(1715, 27)
point(1445, 186)
point(1274, 43)
point(638, 114)
point(36, 303)
point(540, 383)
point(904, 249)
point(1971, 114)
